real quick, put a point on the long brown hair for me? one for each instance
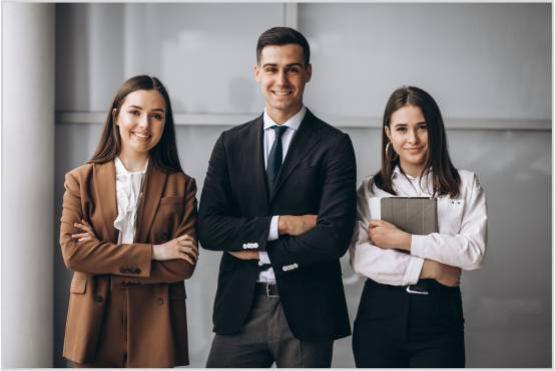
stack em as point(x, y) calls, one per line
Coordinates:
point(445, 177)
point(164, 154)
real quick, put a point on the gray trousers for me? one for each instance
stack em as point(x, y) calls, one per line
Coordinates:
point(265, 339)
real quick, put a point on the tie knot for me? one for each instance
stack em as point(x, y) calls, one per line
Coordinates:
point(279, 130)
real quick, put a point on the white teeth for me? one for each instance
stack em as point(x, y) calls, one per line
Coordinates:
point(141, 135)
point(282, 93)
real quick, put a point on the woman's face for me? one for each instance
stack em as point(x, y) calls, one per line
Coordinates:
point(141, 120)
point(408, 135)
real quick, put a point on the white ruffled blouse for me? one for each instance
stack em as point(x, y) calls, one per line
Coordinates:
point(128, 189)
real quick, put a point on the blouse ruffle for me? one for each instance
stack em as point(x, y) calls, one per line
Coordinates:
point(128, 188)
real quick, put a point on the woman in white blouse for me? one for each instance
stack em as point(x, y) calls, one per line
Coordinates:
point(128, 234)
point(410, 312)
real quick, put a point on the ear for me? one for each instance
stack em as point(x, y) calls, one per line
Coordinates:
point(257, 72)
point(308, 71)
point(387, 132)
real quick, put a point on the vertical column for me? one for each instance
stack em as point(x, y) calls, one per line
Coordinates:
point(291, 15)
point(27, 184)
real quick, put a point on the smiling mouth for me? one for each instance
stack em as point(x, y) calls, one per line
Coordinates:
point(142, 136)
point(282, 93)
point(416, 149)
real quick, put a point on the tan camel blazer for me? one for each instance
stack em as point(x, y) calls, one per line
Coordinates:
point(156, 307)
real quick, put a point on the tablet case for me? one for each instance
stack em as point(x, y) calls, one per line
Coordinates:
point(414, 215)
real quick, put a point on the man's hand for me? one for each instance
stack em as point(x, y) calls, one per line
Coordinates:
point(446, 275)
point(387, 236)
point(295, 225)
point(245, 255)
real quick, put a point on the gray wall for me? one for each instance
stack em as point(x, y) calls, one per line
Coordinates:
point(488, 65)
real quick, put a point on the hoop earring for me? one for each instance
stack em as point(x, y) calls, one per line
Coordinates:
point(389, 157)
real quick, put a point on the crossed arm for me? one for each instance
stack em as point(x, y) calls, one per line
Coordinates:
point(383, 252)
point(83, 252)
point(304, 239)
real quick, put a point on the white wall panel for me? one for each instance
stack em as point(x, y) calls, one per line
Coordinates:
point(479, 60)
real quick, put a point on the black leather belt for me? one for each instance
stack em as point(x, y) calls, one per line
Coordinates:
point(267, 289)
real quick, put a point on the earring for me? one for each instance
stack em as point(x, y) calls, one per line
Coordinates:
point(392, 157)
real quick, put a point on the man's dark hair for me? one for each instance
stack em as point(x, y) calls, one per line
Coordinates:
point(282, 36)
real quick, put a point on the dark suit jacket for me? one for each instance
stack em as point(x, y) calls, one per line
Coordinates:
point(156, 300)
point(318, 176)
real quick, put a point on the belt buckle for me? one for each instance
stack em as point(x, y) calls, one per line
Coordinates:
point(268, 291)
point(416, 292)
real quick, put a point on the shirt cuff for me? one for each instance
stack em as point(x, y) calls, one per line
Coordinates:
point(273, 234)
point(263, 258)
point(412, 274)
point(417, 245)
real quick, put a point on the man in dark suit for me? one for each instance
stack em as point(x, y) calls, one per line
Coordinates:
point(279, 200)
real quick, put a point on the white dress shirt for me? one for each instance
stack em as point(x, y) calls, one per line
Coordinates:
point(460, 242)
point(292, 125)
point(128, 188)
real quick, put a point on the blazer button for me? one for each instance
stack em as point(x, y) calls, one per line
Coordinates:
point(160, 301)
point(99, 299)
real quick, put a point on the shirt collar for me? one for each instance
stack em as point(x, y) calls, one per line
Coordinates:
point(397, 172)
point(294, 121)
point(120, 167)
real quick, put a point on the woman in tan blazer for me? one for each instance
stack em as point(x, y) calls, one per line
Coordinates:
point(128, 234)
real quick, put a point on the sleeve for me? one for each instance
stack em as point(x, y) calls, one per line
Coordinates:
point(273, 234)
point(176, 270)
point(329, 239)
point(131, 261)
point(465, 249)
point(386, 266)
point(218, 228)
point(97, 257)
point(263, 258)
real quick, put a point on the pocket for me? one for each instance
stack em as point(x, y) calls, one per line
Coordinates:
point(449, 215)
point(304, 169)
point(78, 285)
point(448, 308)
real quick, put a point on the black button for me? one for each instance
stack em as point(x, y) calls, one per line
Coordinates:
point(160, 301)
point(99, 299)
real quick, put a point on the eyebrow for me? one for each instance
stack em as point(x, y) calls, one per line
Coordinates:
point(139, 107)
point(405, 124)
point(275, 65)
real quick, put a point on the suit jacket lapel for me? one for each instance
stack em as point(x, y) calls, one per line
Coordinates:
point(152, 189)
point(305, 139)
point(254, 161)
point(104, 177)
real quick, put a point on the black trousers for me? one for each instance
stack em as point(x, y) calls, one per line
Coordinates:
point(394, 328)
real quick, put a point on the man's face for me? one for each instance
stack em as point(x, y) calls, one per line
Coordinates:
point(282, 76)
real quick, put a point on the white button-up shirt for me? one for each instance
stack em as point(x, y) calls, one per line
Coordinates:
point(292, 125)
point(460, 242)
